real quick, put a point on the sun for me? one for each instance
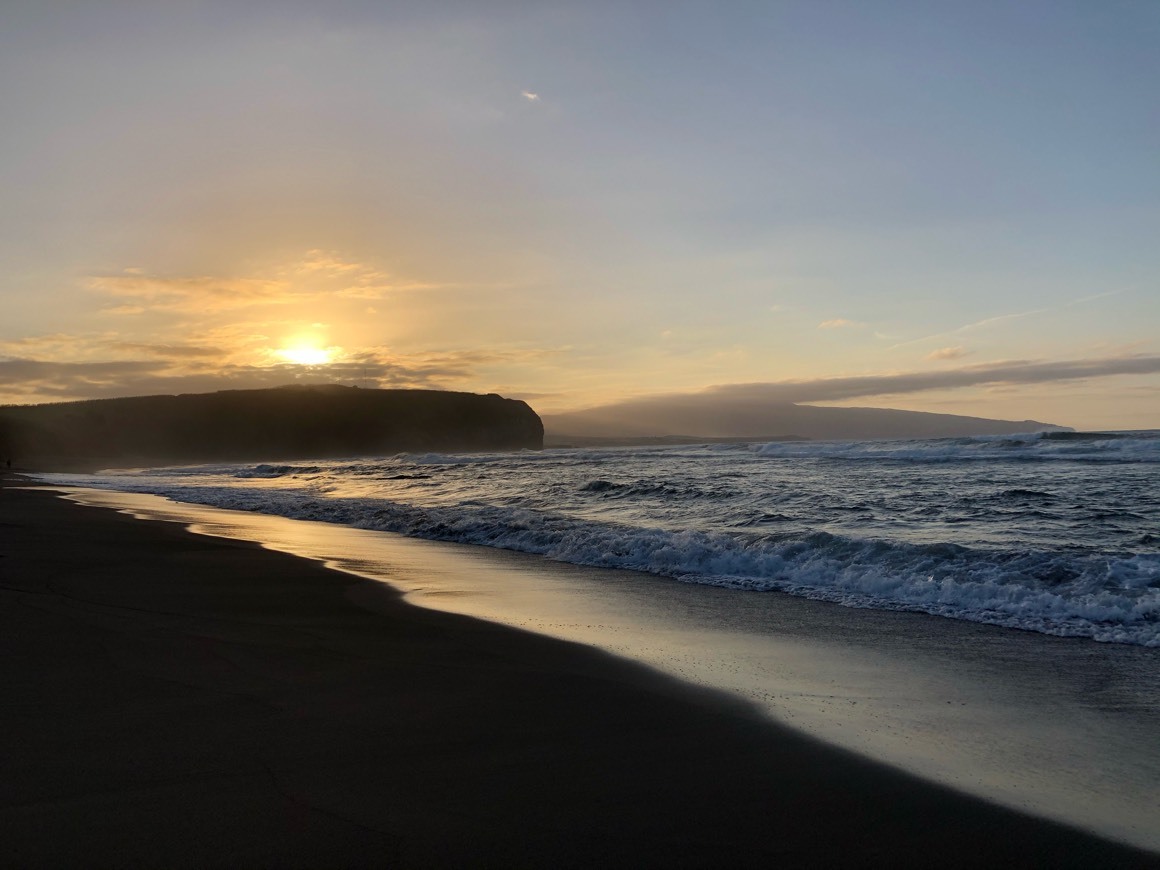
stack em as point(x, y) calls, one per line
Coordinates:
point(307, 354)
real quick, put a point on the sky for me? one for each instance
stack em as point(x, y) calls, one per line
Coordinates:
point(934, 206)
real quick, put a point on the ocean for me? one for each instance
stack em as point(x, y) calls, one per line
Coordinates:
point(983, 612)
point(1056, 533)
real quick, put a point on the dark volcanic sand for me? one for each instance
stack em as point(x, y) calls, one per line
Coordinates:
point(173, 699)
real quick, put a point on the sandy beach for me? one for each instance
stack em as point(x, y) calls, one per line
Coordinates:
point(180, 700)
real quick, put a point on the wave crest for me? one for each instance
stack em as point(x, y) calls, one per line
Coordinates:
point(1035, 447)
point(1103, 596)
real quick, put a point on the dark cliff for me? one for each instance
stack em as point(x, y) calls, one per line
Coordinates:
point(294, 422)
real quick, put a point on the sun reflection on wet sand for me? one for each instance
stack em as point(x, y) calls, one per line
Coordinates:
point(936, 697)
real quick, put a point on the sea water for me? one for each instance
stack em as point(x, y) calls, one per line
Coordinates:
point(944, 598)
point(1056, 533)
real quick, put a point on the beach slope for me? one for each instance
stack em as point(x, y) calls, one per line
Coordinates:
point(179, 700)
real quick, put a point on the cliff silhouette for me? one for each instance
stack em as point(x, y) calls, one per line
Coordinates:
point(293, 422)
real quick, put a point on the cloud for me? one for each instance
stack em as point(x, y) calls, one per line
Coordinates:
point(836, 323)
point(1004, 318)
point(60, 346)
point(1095, 296)
point(322, 271)
point(106, 346)
point(530, 96)
point(169, 351)
point(36, 380)
point(788, 406)
point(200, 294)
point(317, 260)
point(1012, 372)
point(378, 291)
point(949, 353)
point(173, 369)
point(316, 276)
point(23, 380)
point(968, 327)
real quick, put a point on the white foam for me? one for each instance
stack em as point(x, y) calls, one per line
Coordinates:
point(1102, 596)
point(1031, 447)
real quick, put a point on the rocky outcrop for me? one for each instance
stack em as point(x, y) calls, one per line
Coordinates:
point(295, 422)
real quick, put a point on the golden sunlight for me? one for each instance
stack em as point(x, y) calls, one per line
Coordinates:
point(307, 355)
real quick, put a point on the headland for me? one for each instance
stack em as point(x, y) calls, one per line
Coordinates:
point(292, 422)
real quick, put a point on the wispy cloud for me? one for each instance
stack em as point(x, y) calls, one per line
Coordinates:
point(27, 380)
point(837, 323)
point(60, 346)
point(1003, 318)
point(948, 353)
point(1011, 372)
point(169, 351)
point(200, 294)
point(381, 290)
point(969, 327)
point(38, 381)
point(728, 398)
point(317, 260)
point(1084, 300)
point(317, 275)
point(170, 369)
point(105, 347)
point(330, 273)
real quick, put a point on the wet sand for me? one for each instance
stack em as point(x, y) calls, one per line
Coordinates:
point(176, 699)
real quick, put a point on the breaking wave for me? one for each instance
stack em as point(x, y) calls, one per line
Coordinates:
point(1104, 597)
point(1034, 447)
point(1052, 532)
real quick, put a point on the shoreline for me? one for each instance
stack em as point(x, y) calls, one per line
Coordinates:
point(180, 699)
point(1061, 728)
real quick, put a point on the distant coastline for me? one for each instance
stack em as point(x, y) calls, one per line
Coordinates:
point(706, 417)
point(556, 440)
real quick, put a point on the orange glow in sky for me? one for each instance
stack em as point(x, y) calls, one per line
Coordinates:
point(307, 355)
point(460, 199)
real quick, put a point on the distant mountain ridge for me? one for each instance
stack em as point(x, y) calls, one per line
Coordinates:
point(293, 422)
point(710, 416)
